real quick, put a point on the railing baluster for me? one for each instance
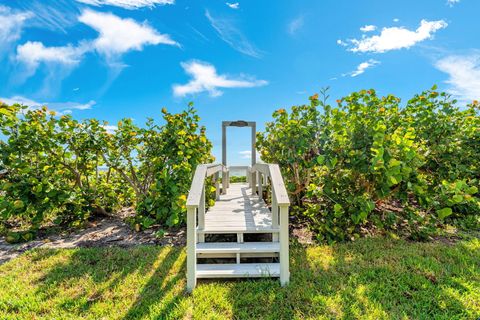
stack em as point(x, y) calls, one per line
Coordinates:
point(284, 258)
point(201, 215)
point(217, 186)
point(191, 248)
point(260, 186)
point(274, 215)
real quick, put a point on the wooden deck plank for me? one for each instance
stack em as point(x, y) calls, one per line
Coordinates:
point(238, 210)
point(238, 270)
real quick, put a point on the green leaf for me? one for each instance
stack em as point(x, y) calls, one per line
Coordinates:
point(472, 190)
point(457, 198)
point(321, 159)
point(443, 213)
point(18, 204)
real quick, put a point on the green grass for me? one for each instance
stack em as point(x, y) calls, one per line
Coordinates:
point(371, 279)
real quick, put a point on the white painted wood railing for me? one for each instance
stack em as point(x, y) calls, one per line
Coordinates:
point(280, 205)
point(196, 209)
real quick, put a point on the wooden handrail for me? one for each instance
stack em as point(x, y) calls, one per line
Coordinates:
point(198, 182)
point(278, 186)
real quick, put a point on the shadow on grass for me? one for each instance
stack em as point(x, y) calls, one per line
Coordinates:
point(106, 273)
point(372, 278)
point(379, 279)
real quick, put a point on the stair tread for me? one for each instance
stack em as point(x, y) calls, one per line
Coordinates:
point(235, 247)
point(249, 270)
point(237, 229)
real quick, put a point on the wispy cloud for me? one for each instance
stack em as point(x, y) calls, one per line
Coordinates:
point(464, 75)
point(118, 35)
point(58, 106)
point(368, 28)
point(295, 25)
point(451, 3)
point(55, 15)
point(395, 38)
point(12, 24)
point(228, 32)
point(362, 67)
point(234, 5)
point(205, 78)
point(127, 4)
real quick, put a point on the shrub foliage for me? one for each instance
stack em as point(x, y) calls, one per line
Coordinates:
point(62, 170)
point(368, 164)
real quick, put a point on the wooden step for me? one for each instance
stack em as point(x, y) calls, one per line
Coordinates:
point(242, 270)
point(235, 247)
point(236, 229)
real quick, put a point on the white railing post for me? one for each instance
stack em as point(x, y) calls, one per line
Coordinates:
point(224, 182)
point(274, 215)
point(191, 248)
point(284, 243)
point(260, 186)
point(201, 215)
point(253, 182)
point(217, 186)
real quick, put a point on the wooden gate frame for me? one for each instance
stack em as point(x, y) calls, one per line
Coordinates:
point(240, 124)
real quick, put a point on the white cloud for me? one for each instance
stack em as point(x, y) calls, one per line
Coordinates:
point(464, 75)
point(295, 25)
point(128, 4)
point(362, 67)
point(205, 78)
point(451, 3)
point(12, 25)
point(59, 106)
point(368, 28)
point(235, 5)
point(247, 154)
point(395, 38)
point(118, 36)
point(396, 20)
point(34, 53)
point(342, 43)
point(229, 33)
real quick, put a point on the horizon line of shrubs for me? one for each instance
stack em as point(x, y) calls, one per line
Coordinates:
point(364, 166)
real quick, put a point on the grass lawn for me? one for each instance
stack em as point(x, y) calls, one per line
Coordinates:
point(371, 278)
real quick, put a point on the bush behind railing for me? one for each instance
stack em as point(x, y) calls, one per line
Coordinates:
point(369, 165)
point(61, 170)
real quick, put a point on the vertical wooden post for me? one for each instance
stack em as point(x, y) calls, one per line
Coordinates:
point(191, 248)
point(260, 186)
point(201, 215)
point(284, 243)
point(274, 216)
point(224, 182)
point(224, 143)
point(217, 186)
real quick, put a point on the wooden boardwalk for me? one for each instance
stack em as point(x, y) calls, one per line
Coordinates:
point(238, 211)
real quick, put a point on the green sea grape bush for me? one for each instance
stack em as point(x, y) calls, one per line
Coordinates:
point(368, 164)
point(158, 162)
point(52, 170)
point(61, 170)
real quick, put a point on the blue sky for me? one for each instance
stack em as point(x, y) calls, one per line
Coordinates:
point(111, 59)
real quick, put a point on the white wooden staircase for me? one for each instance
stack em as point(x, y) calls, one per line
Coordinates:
point(239, 210)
